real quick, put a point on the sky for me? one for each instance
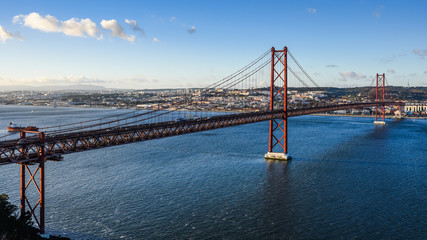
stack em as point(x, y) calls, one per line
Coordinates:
point(178, 44)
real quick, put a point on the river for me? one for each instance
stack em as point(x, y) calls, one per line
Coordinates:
point(348, 179)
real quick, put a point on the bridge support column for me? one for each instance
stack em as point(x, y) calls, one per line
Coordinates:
point(25, 199)
point(380, 97)
point(22, 181)
point(278, 133)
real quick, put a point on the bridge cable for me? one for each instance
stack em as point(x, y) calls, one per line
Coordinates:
point(231, 76)
point(246, 76)
point(226, 82)
point(305, 84)
point(302, 69)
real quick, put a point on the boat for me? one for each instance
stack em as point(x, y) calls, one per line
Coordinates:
point(15, 128)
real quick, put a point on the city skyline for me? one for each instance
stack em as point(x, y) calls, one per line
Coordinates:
point(169, 44)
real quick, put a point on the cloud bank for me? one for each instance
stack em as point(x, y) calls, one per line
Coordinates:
point(45, 80)
point(137, 81)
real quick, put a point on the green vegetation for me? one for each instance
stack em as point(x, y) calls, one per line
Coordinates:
point(13, 227)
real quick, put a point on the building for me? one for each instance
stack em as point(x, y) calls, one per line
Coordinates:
point(416, 108)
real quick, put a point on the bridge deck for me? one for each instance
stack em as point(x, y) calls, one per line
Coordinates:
point(26, 150)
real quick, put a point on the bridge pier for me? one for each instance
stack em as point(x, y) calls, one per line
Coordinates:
point(379, 123)
point(278, 132)
point(277, 156)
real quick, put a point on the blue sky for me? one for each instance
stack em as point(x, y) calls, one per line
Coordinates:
point(163, 44)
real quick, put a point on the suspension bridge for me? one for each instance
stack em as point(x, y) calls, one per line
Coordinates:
point(257, 92)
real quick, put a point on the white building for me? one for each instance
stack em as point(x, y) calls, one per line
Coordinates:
point(416, 107)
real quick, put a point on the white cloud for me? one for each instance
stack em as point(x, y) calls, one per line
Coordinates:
point(391, 71)
point(116, 29)
point(84, 27)
point(172, 19)
point(421, 53)
point(351, 75)
point(312, 10)
point(65, 80)
point(192, 30)
point(49, 80)
point(155, 39)
point(35, 21)
point(134, 25)
point(5, 35)
point(71, 27)
point(137, 81)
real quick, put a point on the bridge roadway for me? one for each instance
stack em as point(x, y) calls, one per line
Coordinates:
point(28, 150)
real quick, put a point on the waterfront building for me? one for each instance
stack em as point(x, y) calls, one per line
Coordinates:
point(416, 108)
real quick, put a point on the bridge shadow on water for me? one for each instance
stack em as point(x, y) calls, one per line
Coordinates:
point(371, 147)
point(362, 184)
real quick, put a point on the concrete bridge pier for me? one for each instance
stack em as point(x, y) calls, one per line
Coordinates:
point(379, 123)
point(277, 156)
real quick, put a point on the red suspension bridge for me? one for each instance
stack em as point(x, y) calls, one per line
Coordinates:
point(268, 72)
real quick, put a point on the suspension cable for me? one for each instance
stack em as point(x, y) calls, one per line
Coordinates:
point(305, 84)
point(228, 78)
point(302, 69)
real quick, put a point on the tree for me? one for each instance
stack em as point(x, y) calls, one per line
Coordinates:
point(12, 226)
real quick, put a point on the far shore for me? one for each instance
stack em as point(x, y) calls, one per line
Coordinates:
point(366, 116)
point(135, 108)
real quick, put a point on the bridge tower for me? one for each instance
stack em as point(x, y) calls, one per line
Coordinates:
point(37, 182)
point(380, 98)
point(278, 133)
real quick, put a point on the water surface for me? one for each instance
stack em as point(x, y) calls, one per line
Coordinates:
point(348, 180)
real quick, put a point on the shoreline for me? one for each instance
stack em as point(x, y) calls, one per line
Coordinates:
point(132, 108)
point(365, 116)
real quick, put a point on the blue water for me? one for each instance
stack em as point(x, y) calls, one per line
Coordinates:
point(348, 180)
